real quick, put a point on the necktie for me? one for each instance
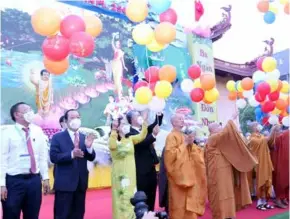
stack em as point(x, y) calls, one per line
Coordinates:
point(77, 140)
point(30, 151)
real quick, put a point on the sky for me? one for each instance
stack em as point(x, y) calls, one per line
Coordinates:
point(242, 43)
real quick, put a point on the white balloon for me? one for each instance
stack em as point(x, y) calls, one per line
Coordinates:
point(259, 76)
point(186, 85)
point(253, 102)
point(157, 104)
point(139, 107)
point(248, 93)
point(274, 75)
point(273, 120)
point(286, 121)
point(241, 103)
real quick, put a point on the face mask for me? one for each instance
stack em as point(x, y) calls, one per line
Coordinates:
point(140, 120)
point(260, 128)
point(126, 129)
point(75, 124)
point(29, 116)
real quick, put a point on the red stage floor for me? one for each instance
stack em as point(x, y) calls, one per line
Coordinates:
point(98, 205)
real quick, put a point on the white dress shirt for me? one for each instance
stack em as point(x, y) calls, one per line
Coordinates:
point(72, 136)
point(14, 146)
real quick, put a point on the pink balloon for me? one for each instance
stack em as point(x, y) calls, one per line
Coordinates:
point(168, 16)
point(152, 74)
point(259, 63)
point(72, 24)
point(55, 48)
point(140, 84)
point(82, 44)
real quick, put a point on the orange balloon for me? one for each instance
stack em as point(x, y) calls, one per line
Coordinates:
point(94, 25)
point(232, 95)
point(137, 11)
point(207, 81)
point(247, 83)
point(240, 95)
point(288, 101)
point(284, 113)
point(56, 68)
point(281, 104)
point(280, 85)
point(286, 8)
point(263, 6)
point(206, 101)
point(46, 21)
point(167, 73)
point(165, 33)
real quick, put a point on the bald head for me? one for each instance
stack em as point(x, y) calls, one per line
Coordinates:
point(177, 121)
point(214, 128)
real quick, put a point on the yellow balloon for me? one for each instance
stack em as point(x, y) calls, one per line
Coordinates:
point(239, 86)
point(212, 95)
point(273, 85)
point(283, 2)
point(143, 95)
point(46, 21)
point(283, 96)
point(137, 10)
point(196, 83)
point(269, 64)
point(276, 111)
point(285, 87)
point(163, 89)
point(231, 86)
point(94, 25)
point(273, 9)
point(154, 46)
point(143, 34)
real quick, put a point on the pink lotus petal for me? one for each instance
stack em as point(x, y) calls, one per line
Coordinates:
point(101, 88)
point(91, 92)
point(110, 86)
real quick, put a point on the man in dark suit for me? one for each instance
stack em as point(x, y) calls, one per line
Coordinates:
point(70, 151)
point(145, 156)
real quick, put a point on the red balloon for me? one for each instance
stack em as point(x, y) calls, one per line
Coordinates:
point(194, 71)
point(259, 63)
point(82, 44)
point(264, 88)
point(152, 87)
point(265, 121)
point(152, 74)
point(274, 96)
point(268, 106)
point(168, 16)
point(140, 84)
point(260, 98)
point(55, 48)
point(197, 95)
point(72, 24)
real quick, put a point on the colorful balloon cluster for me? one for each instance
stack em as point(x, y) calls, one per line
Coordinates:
point(270, 9)
point(202, 88)
point(265, 92)
point(70, 35)
point(143, 34)
point(156, 87)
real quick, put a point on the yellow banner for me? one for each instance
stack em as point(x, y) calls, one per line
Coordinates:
point(201, 52)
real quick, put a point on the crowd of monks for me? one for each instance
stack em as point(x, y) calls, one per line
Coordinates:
point(225, 172)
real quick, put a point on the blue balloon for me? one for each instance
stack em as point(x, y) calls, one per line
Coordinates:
point(159, 6)
point(288, 109)
point(269, 17)
point(258, 112)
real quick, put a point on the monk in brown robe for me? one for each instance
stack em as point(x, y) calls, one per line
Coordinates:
point(259, 145)
point(185, 169)
point(280, 159)
point(227, 160)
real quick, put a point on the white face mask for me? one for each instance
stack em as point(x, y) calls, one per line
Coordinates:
point(75, 124)
point(260, 128)
point(125, 129)
point(29, 116)
point(140, 120)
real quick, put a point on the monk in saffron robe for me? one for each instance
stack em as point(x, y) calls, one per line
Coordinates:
point(259, 145)
point(227, 160)
point(185, 169)
point(280, 159)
